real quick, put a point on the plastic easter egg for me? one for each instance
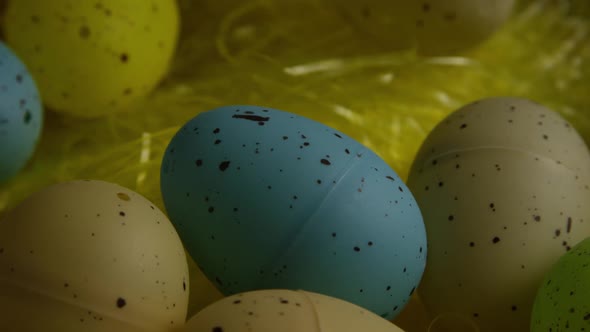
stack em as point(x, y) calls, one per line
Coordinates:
point(562, 302)
point(92, 58)
point(287, 311)
point(90, 256)
point(435, 27)
point(21, 114)
point(503, 187)
point(268, 199)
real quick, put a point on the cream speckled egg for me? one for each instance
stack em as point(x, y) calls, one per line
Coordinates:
point(90, 256)
point(434, 27)
point(286, 311)
point(92, 58)
point(503, 184)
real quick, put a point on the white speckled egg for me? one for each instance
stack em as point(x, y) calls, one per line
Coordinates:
point(435, 27)
point(286, 311)
point(90, 256)
point(503, 187)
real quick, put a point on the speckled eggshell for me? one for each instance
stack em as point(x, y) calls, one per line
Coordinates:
point(90, 256)
point(92, 58)
point(268, 199)
point(286, 311)
point(21, 114)
point(435, 27)
point(562, 302)
point(503, 187)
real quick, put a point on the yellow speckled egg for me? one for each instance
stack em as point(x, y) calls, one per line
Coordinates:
point(92, 58)
point(287, 311)
point(503, 184)
point(90, 256)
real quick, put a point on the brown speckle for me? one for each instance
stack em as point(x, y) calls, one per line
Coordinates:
point(121, 302)
point(224, 165)
point(123, 196)
point(450, 16)
point(84, 32)
point(27, 117)
point(366, 12)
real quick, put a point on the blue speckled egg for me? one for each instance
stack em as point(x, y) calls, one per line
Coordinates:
point(21, 114)
point(266, 199)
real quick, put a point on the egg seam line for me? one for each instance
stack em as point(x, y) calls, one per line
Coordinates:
point(65, 301)
point(304, 225)
point(493, 147)
point(316, 316)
